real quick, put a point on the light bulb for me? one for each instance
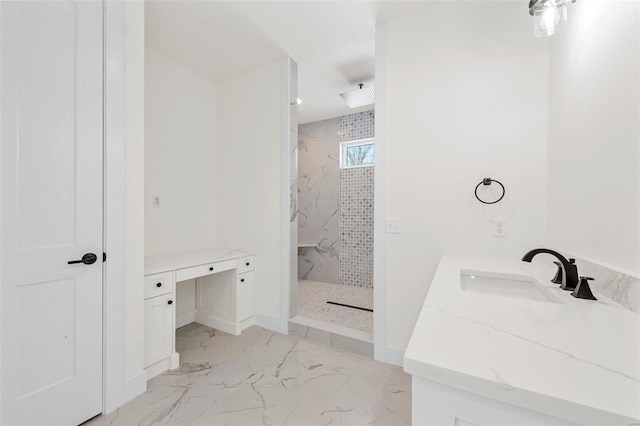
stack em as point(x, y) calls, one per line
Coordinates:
point(549, 19)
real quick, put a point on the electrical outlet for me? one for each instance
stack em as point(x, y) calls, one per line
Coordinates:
point(394, 226)
point(499, 229)
point(155, 201)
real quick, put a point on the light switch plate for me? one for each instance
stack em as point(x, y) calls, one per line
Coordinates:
point(155, 201)
point(394, 226)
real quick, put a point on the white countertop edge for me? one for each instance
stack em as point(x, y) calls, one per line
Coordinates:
point(552, 406)
point(485, 376)
point(172, 261)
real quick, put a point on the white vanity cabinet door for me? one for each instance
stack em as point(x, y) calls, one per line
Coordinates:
point(246, 294)
point(158, 328)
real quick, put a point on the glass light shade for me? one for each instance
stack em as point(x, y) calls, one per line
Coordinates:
point(548, 17)
point(360, 97)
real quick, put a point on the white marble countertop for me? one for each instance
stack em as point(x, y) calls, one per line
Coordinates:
point(168, 262)
point(578, 360)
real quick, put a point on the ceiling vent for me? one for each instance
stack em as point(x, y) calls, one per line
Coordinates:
point(360, 97)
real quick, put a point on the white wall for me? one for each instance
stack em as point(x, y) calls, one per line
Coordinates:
point(594, 134)
point(134, 187)
point(248, 175)
point(180, 157)
point(465, 89)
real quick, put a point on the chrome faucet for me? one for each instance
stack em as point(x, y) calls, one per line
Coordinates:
point(569, 268)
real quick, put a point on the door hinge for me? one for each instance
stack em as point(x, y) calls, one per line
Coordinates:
point(104, 256)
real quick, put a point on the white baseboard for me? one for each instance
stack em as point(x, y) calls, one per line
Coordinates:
point(135, 386)
point(394, 356)
point(247, 323)
point(218, 324)
point(163, 365)
point(271, 323)
point(186, 318)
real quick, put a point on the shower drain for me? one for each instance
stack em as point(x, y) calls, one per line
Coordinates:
point(350, 306)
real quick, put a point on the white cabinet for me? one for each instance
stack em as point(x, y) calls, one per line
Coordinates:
point(159, 323)
point(246, 295)
point(158, 328)
point(435, 404)
point(224, 299)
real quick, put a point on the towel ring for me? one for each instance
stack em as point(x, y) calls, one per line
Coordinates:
point(487, 182)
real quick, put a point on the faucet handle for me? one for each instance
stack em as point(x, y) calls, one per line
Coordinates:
point(583, 291)
point(558, 278)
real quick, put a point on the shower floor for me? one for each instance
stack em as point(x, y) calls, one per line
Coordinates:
point(312, 303)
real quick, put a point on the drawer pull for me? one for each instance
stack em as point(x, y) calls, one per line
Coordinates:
point(159, 285)
point(211, 268)
point(242, 280)
point(170, 302)
point(247, 263)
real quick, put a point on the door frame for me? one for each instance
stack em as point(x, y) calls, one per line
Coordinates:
point(114, 279)
point(289, 197)
point(113, 332)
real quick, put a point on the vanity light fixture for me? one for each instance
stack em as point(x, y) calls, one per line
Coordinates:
point(548, 16)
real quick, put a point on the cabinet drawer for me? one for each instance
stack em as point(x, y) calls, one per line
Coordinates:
point(158, 284)
point(246, 264)
point(206, 269)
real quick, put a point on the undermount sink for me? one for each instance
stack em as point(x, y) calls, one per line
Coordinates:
point(507, 285)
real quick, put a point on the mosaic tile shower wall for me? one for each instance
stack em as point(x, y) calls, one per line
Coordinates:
point(357, 126)
point(356, 208)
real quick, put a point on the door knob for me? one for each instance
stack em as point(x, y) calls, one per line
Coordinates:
point(87, 259)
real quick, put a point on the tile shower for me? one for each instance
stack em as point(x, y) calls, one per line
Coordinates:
point(335, 224)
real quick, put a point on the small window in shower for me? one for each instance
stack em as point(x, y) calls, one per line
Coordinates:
point(359, 153)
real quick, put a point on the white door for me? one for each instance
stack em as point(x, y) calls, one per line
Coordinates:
point(245, 295)
point(51, 60)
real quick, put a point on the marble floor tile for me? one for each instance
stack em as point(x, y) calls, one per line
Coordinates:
point(266, 378)
point(312, 303)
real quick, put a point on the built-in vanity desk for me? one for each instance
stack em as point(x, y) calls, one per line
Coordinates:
point(224, 298)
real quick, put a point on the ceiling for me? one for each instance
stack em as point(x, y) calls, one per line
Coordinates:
point(333, 42)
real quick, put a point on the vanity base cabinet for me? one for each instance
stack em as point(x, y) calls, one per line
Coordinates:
point(440, 405)
point(159, 324)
